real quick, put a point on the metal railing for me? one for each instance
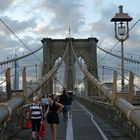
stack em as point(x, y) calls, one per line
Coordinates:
point(131, 112)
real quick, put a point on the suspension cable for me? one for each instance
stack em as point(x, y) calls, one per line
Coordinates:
point(80, 82)
point(128, 80)
point(10, 76)
point(52, 72)
point(18, 38)
point(83, 69)
point(59, 82)
point(117, 56)
point(20, 57)
point(118, 41)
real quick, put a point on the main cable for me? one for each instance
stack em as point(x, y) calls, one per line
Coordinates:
point(118, 41)
point(18, 38)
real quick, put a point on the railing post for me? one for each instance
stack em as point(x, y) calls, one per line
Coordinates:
point(24, 84)
point(114, 88)
point(137, 134)
point(8, 84)
point(131, 86)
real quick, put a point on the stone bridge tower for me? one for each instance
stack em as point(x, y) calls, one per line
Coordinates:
point(55, 48)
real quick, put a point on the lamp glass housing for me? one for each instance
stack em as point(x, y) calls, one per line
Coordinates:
point(121, 29)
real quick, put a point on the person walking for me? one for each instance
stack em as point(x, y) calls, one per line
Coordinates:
point(36, 116)
point(69, 103)
point(44, 103)
point(52, 114)
point(63, 100)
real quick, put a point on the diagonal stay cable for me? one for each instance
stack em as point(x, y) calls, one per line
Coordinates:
point(83, 69)
point(11, 76)
point(108, 52)
point(80, 82)
point(117, 56)
point(18, 38)
point(52, 72)
point(118, 41)
point(128, 80)
point(59, 82)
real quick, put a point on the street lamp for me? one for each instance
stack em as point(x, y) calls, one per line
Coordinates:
point(121, 21)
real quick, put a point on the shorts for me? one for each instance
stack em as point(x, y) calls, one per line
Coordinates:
point(52, 117)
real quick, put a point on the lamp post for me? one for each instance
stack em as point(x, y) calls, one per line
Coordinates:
point(121, 21)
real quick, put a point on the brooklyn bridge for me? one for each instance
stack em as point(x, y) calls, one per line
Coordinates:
point(106, 99)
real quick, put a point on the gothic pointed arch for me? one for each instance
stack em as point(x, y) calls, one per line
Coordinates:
point(86, 48)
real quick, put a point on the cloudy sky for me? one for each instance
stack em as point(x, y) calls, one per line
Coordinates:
point(32, 20)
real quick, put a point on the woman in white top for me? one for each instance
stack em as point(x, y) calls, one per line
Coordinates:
point(36, 116)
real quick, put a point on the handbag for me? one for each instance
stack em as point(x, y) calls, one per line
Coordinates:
point(42, 129)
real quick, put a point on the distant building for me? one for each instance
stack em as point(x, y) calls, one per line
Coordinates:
point(16, 76)
point(1, 89)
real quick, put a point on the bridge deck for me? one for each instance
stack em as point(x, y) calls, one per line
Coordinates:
point(80, 127)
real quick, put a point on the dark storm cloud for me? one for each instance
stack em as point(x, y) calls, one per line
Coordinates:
point(65, 14)
point(16, 25)
point(5, 4)
point(8, 40)
point(103, 27)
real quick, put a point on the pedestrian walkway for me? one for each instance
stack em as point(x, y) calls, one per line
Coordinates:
point(79, 127)
point(83, 126)
point(25, 134)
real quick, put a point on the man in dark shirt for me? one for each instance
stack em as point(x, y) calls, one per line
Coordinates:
point(69, 103)
point(63, 100)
